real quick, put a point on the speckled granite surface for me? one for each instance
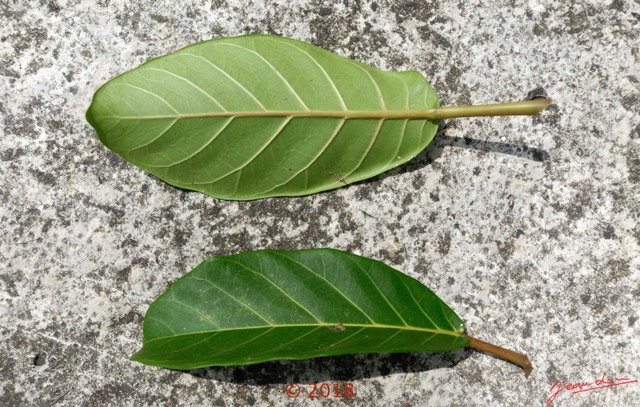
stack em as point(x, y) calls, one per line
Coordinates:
point(527, 227)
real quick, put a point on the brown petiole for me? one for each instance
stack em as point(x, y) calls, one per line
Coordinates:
point(517, 358)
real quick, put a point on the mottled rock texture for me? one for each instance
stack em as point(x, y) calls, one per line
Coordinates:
point(527, 227)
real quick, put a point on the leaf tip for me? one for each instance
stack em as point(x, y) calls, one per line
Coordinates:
point(88, 115)
point(136, 357)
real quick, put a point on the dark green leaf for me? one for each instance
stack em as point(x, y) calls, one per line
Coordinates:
point(257, 116)
point(267, 305)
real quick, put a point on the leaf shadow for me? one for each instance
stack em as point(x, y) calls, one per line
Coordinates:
point(440, 141)
point(335, 368)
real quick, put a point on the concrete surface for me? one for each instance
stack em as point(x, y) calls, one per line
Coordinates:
point(527, 227)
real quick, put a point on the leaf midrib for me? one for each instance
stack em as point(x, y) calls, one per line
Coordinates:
point(321, 325)
point(422, 114)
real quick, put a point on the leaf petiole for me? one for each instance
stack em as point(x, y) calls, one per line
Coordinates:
point(517, 358)
point(525, 107)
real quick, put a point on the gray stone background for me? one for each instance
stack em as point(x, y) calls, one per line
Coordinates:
point(527, 227)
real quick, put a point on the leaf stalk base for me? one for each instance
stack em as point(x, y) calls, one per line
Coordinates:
point(517, 358)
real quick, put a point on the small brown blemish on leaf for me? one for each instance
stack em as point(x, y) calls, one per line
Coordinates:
point(339, 178)
point(290, 169)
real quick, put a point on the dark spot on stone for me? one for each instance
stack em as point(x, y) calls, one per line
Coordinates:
point(128, 242)
point(634, 165)
point(434, 197)
point(374, 6)
point(451, 280)
point(10, 284)
point(416, 231)
point(129, 19)
point(56, 124)
point(618, 268)
point(159, 18)
point(453, 78)
point(632, 321)
point(476, 171)
point(346, 222)
point(433, 37)
point(575, 212)
point(573, 311)
point(467, 140)
point(214, 210)
point(40, 359)
point(4, 71)
point(43, 177)
point(364, 192)
point(10, 154)
point(609, 232)
point(617, 5)
point(251, 400)
point(417, 182)
point(34, 35)
point(116, 216)
point(636, 15)
point(130, 317)
point(526, 332)
point(180, 237)
point(518, 233)
point(54, 7)
point(585, 298)
point(630, 102)
point(124, 274)
point(505, 249)
point(410, 6)
point(325, 11)
point(444, 243)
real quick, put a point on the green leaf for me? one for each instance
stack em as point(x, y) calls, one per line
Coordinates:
point(257, 116)
point(267, 305)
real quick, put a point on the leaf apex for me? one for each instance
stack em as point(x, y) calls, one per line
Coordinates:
point(136, 357)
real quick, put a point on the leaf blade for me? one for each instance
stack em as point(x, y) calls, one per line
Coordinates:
point(310, 86)
point(267, 305)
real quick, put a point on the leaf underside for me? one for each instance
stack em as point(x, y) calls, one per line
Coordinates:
point(267, 305)
point(257, 116)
